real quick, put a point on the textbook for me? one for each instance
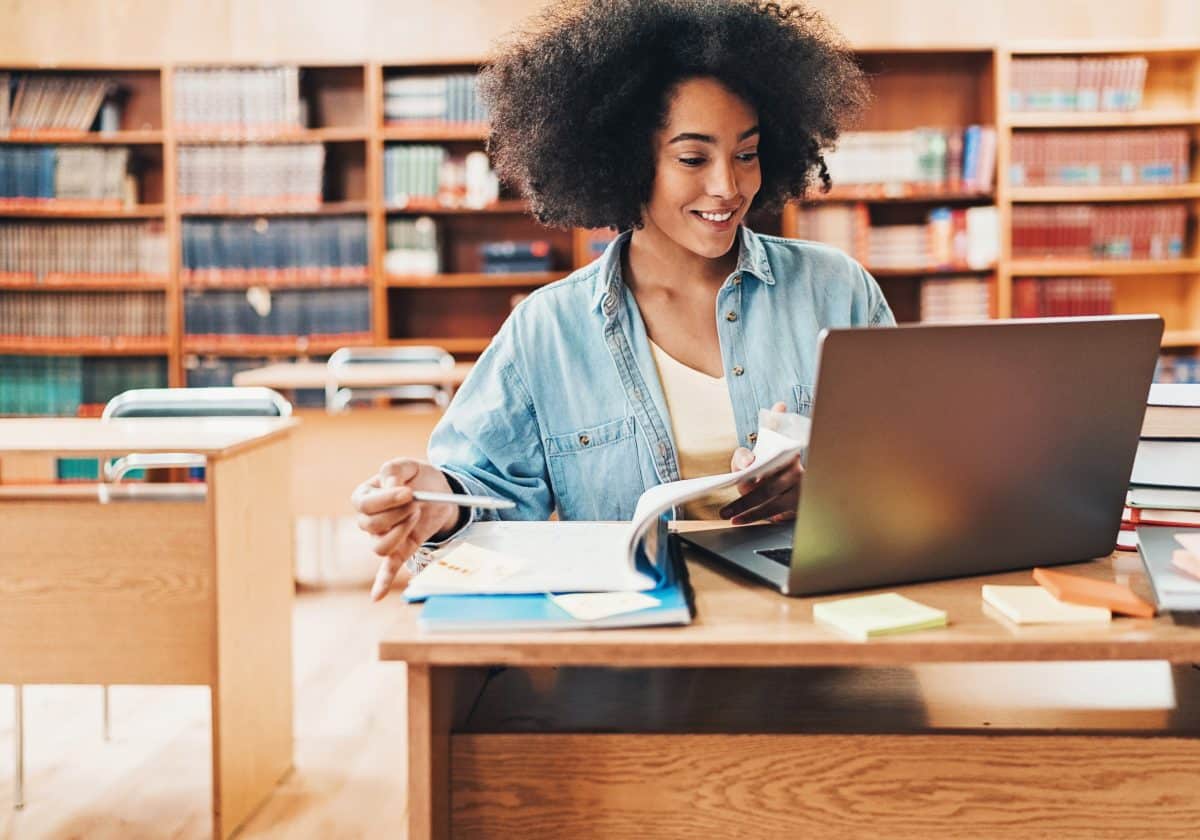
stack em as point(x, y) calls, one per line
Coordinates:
point(533, 558)
point(868, 616)
point(1174, 589)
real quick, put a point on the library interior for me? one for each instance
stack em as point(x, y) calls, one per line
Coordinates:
point(599, 419)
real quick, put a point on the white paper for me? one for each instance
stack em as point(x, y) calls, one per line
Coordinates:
point(1177, 394)
point(592, 606)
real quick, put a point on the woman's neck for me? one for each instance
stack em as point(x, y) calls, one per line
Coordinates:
point(655, 261)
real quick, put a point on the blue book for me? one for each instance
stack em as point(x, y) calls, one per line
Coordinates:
point(972, 137)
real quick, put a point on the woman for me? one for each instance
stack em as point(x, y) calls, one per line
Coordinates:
point(669, 120)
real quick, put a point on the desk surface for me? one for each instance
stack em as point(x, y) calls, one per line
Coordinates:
point(211, 436)
point(286, 376)
point(742, 623)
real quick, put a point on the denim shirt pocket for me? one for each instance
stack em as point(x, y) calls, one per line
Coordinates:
point(803, 399)
point(595, 471)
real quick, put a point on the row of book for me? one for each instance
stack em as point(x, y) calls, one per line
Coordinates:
point(1095, 158)
point(1077, 84)
point(251, 177)
point(1084, 231)
point(40, 315)
point(287, 312)
point(925, 158)
point(1178, 368)
point(433, 100)
point(951, 237)
point(412, 246)
point(415, 176)
point(70, 385)
point(90, 175)
point(953, 299)
point(32, 102)
point(274, 252)
point(238, 101)
point(1062, 297)
point(77, 251)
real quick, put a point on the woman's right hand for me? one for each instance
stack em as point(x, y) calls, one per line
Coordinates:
point(398, 523)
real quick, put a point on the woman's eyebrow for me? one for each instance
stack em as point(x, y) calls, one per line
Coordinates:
point(708, 138)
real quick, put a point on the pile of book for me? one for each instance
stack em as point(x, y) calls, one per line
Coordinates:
point(70, 385)
point(512, 257)
point(78, 250)
point(951, 299)
point(417, 176)
point(81, 176)
point(29, 316)
point(251, 177)
point(33, 102)
point(433, 101)
point(1084, 231)
point(238, 101)
point(929, 158)
point(412, 247)
point(1164, 488)
point(1096, 158)
point(844, 226)
point(238, 317)
point(1077, 84)
point(1062, 297)
point(274, 252)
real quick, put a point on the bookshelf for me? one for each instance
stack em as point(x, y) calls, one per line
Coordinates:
point(348, 112)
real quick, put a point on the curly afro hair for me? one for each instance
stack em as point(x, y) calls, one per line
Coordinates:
point(577, 96)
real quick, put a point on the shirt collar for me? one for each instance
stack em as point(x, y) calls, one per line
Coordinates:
point(752, 261)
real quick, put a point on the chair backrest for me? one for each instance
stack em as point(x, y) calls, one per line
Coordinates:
point(198, 402)
point(338, 398)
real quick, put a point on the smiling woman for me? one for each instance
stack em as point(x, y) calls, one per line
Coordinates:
point(668, 121)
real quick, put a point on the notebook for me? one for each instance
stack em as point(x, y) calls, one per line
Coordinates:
point(1034, 605)
point(868, 616)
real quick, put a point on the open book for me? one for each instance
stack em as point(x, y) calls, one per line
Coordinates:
point(537, 557)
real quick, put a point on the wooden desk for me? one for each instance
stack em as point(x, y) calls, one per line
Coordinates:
point(173, 591)
point(289, 376)
point(756, 722)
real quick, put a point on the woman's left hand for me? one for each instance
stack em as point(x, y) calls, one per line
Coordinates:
point(772, 497)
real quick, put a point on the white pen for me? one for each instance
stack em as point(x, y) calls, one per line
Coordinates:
point(463, 500)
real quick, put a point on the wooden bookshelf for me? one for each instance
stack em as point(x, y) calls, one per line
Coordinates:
point(334, 134)
point(83, 347)
point(506, 207)
point(1104, 119)
point(1133, 192)
point(465, 345)
point(1103, 268)
point(472, 281)
point(82, 283)
point(89, 138)
point(435, 133)
point(328, 208)
point(71, 210)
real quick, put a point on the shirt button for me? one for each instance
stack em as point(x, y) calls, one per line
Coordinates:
point(737, 280)
point(752, 437)
point(737, 370)
point(730, 316)
point(585, 440)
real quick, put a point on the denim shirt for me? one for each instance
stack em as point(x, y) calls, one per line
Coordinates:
point(564, 410)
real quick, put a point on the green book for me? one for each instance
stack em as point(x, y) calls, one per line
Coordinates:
point(868, 616)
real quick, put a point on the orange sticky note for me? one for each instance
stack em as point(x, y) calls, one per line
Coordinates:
point(1097, 593)
point(1186, 562)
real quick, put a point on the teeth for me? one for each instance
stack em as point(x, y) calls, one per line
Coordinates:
point(716, 217)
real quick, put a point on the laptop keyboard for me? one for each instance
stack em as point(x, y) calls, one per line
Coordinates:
point(782, 556)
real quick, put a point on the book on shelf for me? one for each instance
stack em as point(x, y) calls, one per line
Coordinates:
point(412, 247)
point(72, 385)
point(417, 175)
point(1062, 297)
point(31, 317)
point(955, 299)
point(83, 177)
point(515, 257)
point(47, 102)
point(1077, 84)
point(1100, 158)
point(47, 251)
point(238, 101)
point(285, 176)
point(1084, 231)
point(274, 252)
point(233, 317)
point(950, 159)
point(433, 101)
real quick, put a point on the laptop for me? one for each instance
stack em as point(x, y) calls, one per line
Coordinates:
point(960, 449)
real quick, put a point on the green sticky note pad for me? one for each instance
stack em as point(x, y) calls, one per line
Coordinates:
point(876, 615)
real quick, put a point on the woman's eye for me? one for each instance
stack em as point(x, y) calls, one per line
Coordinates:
point(746, 157)
point(692, 161)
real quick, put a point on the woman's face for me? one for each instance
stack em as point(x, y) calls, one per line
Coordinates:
point(707, 171)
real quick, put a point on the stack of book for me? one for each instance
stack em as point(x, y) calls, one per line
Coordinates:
point(232, 318)
point(274, 252)
point(512, 257)
point(85, 177)
point(1084, 231)
point(417, 176)
point(238, 101)
point(1062, 297)
point(1164, 488)
point(929, 158)
point(250, 177)
point(1077, 84)
point(955, 299)
point(952, 238)
point(70, 385)
point(1097, 158)
point(27, 317)
point(433, 101)
point(33, 102)
point(49, 251)
point(844, 226)
point(412, 247)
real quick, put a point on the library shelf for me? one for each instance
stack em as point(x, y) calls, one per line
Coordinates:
point(83, 283)
point(507, 206)
point(884, 193)
point(333, 134)
point(272, 345)
point(1181, 338)
point(467, 133)
point(1133, 192)
point(26, 346)
point(1102, 268)
point(204, 281)
point(939, 271)
point(471, 281)
point(328, 208)
point(1102, 119)
point(450, 344)
point(98, 138)
point(47, 210)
